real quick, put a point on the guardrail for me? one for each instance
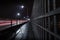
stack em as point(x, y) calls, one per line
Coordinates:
point(49, 26)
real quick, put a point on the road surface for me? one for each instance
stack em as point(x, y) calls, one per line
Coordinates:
point(8, 22)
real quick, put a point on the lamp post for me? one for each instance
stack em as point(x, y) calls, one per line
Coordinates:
point(18, 15)
point(22, 6)
point(11, 21)
point(27, 12)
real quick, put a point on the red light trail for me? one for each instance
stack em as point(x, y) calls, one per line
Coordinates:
point(8, 22)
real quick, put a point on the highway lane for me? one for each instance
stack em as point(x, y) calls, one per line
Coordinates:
point(11, 32)
point(8, 22)
point(4, 24)
point(24, 33)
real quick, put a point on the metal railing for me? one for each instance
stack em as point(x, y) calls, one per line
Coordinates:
point(48, 20)
point(47, 33)
point(57, 36)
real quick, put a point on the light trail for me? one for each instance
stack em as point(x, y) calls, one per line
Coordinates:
point(8, 22)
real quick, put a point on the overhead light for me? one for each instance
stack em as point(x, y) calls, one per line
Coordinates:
point(28, 19)
point(18, 14)
point(22, 6)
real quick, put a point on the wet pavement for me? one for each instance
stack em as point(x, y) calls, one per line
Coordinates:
point(25, 33)
point(20, 32)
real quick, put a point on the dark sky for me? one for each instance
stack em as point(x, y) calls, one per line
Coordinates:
point(10, 8)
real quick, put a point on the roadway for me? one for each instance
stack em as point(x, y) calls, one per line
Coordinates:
point(20, 32)
point(7, 23)
point(25, 32)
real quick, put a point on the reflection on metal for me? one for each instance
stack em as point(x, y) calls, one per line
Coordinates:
point(18, 31)
point(57, 36)
point(48, 14)
point(21, 32)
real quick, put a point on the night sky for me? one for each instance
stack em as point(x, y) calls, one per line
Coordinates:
point(9, 8)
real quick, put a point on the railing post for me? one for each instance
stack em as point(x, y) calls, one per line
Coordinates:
point(45, 31)
point(54, 4)
point(45, 21)
point(48, 5)
point(49, 27)
point(55, 29)
point(11, 21)
point(43, 26)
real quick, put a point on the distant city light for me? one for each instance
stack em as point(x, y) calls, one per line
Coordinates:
point(22, 6)
point(28, 19)
point(24, 17)
point(18, 14)
point(27, 16)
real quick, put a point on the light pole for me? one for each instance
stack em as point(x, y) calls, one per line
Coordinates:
point(27, 12)
point(18, 15)
point(27, 15)
point(11, 21)
point(22, 6)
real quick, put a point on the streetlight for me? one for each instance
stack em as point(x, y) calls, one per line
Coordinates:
point(22, 6)
point(18, 14)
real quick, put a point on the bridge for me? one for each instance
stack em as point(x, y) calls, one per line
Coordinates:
point(34, 20)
